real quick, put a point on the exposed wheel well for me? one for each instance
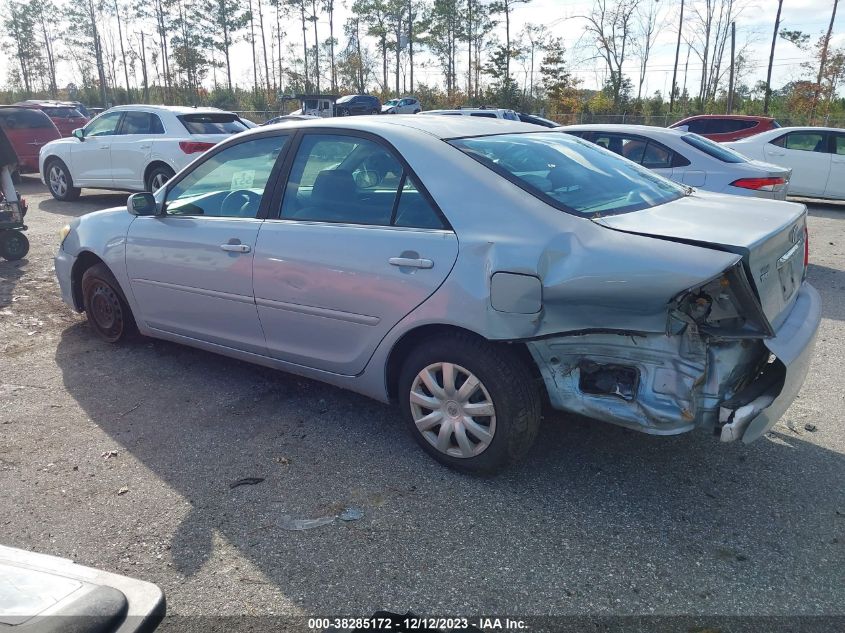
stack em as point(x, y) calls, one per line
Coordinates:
point(403, 347)
point(154, 165)
point(83, 262)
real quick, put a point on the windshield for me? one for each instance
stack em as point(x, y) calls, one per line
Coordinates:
point(392, 102)
point(345, 99)
point(571, 174)
point(711, 148)
point(212, 123)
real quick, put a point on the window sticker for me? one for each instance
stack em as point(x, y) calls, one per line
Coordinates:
point(243, 179)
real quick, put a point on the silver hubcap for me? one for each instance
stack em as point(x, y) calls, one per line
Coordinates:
point(452, 410)
point(58, 182)
point(158, 181)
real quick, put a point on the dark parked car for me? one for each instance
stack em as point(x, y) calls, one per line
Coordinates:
point(533, 119)
point(726, 127)
point(28, 130)
point(357, 104)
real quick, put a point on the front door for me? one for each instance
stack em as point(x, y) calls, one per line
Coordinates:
point(807, 154)
point(357, 246)
point(91, 156)
point(191, 268)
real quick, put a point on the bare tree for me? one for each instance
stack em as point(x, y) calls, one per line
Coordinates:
point(611, 25)
point(647, 29)
point(823, 60)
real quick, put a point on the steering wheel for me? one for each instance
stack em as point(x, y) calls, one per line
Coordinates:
point(238, 201)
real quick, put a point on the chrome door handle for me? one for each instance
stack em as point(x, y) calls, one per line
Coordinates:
point(144, 147)
point(410, 262)
point(104, 146)
point(236, 248)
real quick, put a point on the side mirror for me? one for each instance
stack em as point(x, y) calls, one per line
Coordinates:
point(78, 133)
point(142, 204)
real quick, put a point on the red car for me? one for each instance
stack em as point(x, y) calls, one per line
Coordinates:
point(28, 130)
point(726, 127)
point(65, 116)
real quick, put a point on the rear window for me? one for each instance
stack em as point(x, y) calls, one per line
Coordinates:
point(212, 123)
point(23, 119)
point(719, 152)
point(573, 175)
point(62, 112)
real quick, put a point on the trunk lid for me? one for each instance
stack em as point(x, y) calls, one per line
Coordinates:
point(767, 234)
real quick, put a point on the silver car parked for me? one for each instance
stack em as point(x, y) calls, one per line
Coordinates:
point(467, 270)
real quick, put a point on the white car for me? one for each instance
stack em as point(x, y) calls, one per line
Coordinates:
point(405, 105)
point(689, 159)
point(132, 148)
point(816, 156)
point(484, 113)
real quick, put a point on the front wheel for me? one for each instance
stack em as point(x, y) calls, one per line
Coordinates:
point(60, 182)
point(106, 308)
point(471, 405)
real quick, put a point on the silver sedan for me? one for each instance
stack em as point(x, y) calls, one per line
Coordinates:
point(689, 159)
point(467, 270)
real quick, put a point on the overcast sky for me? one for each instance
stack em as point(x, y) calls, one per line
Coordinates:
point(754, 27)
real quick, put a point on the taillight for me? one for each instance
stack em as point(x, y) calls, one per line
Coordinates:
point(759, 184)
point(194, 147)
point(806, 247)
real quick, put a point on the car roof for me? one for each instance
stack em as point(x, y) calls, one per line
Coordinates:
point(165, 108)
point(784, 130)
point(438, 126)
point(741, 117)
point(623, 128)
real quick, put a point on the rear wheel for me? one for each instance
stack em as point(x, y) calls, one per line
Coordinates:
point(470, 404)
point(106, 308)
point(158, 176)
point(13, 245)
point(60, 182)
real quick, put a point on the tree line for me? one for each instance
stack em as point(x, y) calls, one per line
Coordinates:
point(182, 52)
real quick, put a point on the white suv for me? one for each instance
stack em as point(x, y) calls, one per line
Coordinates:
point(132, 147)
point(487, 113)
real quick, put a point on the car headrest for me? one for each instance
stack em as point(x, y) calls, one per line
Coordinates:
point(333, 186)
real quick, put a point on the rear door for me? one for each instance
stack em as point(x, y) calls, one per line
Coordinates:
point(806, 152)
point(131, 148)
point(836, 181)
point(191, 269)
point(356, 245)
point(91, 157)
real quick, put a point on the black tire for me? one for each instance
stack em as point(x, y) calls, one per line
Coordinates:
point(59, 181)
point(105, 305)
point(158, 176)
point(504, 378)
point(375, 112)
point(13, 245)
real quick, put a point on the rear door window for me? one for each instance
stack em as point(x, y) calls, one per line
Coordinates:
point(141, 123)
point(212, 123)
point(352, 180)
point(803, 141)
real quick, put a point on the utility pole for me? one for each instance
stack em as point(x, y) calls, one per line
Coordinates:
point(677, 52)
point(411, 43)
point(731, 84)
point(771, 60)
point(823, 62)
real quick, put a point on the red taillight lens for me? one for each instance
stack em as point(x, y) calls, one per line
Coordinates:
point(806, 247)
point(194, 147)
point(759, 184)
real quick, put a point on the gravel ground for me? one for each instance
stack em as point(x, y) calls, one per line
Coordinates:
point(120, 457)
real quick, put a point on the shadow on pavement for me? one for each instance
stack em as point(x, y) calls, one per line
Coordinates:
point(600, 519)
